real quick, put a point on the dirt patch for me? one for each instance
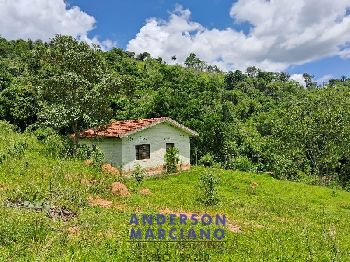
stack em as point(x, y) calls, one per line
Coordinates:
point(119, 207)
point(88, 182)
point(155, 170)
point(145, 191)
point(88, 162)
point(99, 202)
point(70, 176)
point(73, 231)
point(253, 185)
point(118, 188)
point(184, 167)
point(108, 168)
point(233, 227)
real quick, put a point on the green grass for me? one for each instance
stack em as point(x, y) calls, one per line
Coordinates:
point(278, 220)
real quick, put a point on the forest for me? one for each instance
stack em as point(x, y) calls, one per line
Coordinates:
point(253, 121)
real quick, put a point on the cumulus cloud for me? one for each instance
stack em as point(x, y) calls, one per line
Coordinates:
point(42, 19)
point(298, 78)
point(282, 33)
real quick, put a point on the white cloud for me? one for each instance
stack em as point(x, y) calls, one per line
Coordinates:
point(324, 79)
point(298, 78)
point(282, 33)
point(42, 19)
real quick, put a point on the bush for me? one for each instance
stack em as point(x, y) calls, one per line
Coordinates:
point(44, 132)
point(83, 151)
point(139, 174)
point(207, 160)
point(243, 163)
point(55, 146)
point(17, 151)
point(93, 152)
point(171, 159)
point(97, 157)
point(209, 195)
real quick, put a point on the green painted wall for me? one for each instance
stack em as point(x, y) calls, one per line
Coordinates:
point(111, 148)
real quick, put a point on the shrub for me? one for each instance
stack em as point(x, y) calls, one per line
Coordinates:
point(44, 132)
point(7, 128)
point(207, 160)
point(17, 151)
point(83, 151)
point(243, 163)
point(208, 193)
point(55, 146)
point(171, 159)
point(97, 157)
point(139, 174)
point(93, 152)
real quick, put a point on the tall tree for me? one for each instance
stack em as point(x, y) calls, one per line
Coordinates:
point(74, 85)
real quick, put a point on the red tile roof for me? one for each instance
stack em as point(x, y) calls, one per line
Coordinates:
point(128, 127)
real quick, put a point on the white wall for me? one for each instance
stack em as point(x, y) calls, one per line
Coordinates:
point(157, 136)
point(111, 148)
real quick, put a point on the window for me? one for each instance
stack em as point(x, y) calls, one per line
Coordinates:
point(169, 145)
point(142, 151)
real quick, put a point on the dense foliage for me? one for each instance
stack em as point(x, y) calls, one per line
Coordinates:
point(253, 120)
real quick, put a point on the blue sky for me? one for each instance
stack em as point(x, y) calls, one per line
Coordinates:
point(296, 36)
point(120, 21)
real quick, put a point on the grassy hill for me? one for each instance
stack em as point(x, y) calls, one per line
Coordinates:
point(55, 209)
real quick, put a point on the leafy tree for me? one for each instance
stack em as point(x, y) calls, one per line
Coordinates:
point(19, 105)
point(192, 61)
point(309, 80)
point(143, 56)
point(232, 78)
point(74, 85)
point(253, 71)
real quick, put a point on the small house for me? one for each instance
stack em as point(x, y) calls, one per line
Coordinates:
point(143, 142)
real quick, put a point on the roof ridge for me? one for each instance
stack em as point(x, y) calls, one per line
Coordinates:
point(122, 128)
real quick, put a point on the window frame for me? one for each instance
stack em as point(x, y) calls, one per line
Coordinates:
point(143, 151)
point(169, 145)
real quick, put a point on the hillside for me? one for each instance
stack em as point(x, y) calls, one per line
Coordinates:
point(251, 120)
point(62, 209)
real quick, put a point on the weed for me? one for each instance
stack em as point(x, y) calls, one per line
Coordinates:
point(139, 174)
point(171, 159)
point(208, 184)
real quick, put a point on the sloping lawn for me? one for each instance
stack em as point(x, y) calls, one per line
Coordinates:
point(54, 209)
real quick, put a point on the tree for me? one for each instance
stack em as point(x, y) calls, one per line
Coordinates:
point(74, 85)
point(232, 78)
point(308, 80)
point(252, 71)
point(18, 105)
point(143, 56)
point(192, 61)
